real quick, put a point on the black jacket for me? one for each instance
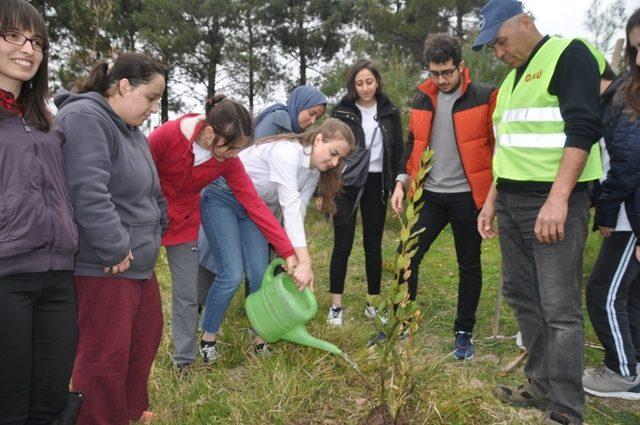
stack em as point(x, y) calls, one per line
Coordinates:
point(622, 182)
point(388, 117)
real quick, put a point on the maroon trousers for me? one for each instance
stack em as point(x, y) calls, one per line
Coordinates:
point(119, 331)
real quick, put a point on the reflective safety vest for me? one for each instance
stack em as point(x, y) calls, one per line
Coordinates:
point(528, 126)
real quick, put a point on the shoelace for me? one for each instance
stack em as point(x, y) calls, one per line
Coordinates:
point(335, 312)
point(600, 373)
point(210, 350)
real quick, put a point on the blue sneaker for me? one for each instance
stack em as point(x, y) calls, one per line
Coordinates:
point(464, 345)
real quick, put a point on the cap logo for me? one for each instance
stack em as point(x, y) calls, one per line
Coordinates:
point(481, 22)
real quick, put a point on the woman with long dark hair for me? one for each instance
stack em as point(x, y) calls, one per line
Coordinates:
point(38, 237)
point(121, 213)
point(375, 122)
point(613, 291)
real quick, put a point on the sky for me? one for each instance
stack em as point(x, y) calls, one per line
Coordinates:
point(566, 17)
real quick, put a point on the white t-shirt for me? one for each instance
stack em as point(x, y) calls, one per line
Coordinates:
point(369, 125)
point(281, 174)
point(201, 155)
point(622, 224)
point(188, 127)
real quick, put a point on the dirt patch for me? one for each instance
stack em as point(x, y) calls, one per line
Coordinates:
point(381, 415)
point(237, 376)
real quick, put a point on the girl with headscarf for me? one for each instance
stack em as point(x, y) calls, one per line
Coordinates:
point(304, 106)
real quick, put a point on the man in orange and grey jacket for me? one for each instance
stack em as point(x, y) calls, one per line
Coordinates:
point(451, 116)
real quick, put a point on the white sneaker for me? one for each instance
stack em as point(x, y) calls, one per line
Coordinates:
point(334, 318)
point(371, 313)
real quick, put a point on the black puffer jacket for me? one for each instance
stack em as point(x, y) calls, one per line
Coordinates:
point(388, 117)
point(622, 182)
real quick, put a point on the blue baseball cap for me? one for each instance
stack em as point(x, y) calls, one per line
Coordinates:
point(492, 16)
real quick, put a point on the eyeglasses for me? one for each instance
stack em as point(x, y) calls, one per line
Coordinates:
point(14, 37)
point(446, 73)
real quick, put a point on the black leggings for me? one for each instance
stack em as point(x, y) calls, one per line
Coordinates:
point(373, 210)
point(38, 335)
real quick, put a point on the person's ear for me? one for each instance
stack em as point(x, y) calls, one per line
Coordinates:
point(124, 86)
point(317, 140)
point(461, 65)
point(209, 135)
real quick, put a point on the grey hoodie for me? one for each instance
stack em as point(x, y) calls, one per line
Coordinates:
point(113, 185)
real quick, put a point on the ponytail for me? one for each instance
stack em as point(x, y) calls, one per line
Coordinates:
point(98, 79)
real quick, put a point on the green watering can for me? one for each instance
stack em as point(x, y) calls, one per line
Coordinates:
point(278, 310)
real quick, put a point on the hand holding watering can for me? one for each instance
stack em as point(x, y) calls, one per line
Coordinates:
point(278, 310)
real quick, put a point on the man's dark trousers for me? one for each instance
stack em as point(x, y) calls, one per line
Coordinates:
point(542, 283)
point(459, 209)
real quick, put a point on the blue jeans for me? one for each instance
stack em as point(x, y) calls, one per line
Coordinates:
point(237, 245)
point(542, 283)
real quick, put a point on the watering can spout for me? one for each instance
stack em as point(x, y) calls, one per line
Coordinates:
point(299, 335)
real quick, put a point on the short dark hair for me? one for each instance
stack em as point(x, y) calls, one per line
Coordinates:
point(361, 64)
point(440, 47)
point(135, 67)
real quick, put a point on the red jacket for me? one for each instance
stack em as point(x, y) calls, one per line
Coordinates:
point(182, 183)
point(473, 127)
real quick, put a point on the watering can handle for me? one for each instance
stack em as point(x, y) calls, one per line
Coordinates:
point(272, 266)
point(312, 302)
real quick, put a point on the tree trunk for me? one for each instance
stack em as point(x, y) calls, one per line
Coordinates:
point(302, 49)
point(164, 102)
point(459, 16)
point(616, 57)
point(251, 61)
point(213, 36)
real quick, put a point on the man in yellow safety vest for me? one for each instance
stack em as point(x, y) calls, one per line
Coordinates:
point(546, 124)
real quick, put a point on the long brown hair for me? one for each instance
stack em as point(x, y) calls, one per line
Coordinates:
point(330, 183)
point(631, 86)
point(352, 93)
point(22, 16)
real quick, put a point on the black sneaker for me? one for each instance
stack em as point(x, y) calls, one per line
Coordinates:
point(183, 369)
point(209, 351)
point(262, 350)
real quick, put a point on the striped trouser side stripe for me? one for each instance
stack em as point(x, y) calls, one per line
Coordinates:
point(627, 255)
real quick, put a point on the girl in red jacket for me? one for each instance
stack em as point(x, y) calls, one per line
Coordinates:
point(190, 152)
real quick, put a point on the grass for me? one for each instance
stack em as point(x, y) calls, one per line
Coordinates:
point(301, 385)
